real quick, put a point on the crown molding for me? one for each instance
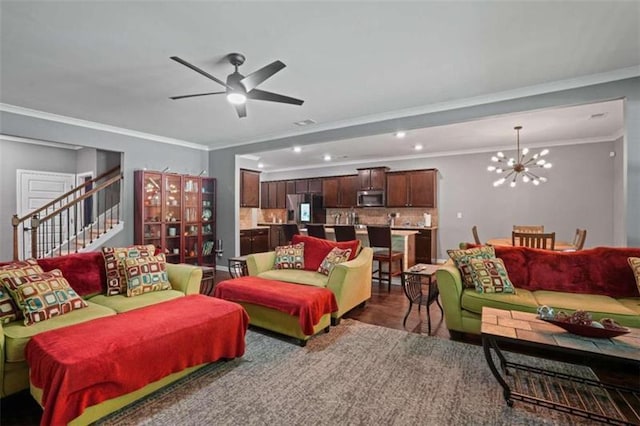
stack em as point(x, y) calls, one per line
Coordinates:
point(523, 92)
point(14, 109)
point(42, 142)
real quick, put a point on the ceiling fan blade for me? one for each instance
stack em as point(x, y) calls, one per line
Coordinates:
point(198, 70)
point(261, 95)
point(241, 109)
point(252, 80)
point(197, 94)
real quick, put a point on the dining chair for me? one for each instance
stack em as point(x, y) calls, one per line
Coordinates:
point(534, 240)
point(579, 239)
point(476, 239)
point(529, 228)
point(316, 230)
point(380, 241)
point(345, 232)
point(290, 229)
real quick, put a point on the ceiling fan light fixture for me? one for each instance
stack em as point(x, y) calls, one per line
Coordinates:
point(236, 98)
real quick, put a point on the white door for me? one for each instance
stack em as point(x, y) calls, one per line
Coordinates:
point(35, 189)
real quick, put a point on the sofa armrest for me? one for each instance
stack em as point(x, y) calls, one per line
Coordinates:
point(351, 281)
point(260, 262)
point(185, 278)
point(450, 287)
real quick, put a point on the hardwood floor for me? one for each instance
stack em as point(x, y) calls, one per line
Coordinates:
point(383, 309)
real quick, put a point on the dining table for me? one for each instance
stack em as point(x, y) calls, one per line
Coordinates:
point(506, 241)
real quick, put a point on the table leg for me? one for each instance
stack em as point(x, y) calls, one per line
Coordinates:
point(404, 322)
point(487, 344)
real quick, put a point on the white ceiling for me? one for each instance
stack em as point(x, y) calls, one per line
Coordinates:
point(108, 61)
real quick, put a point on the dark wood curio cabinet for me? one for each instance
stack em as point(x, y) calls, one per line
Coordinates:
point(176, 213)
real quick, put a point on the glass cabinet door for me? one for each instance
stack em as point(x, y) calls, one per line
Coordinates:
point(172, 217)
point(192, 243)
point(208, 221)
point(152, 209)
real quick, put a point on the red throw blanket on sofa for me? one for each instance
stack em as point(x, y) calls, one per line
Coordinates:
point(308, 303)
point(88, 363)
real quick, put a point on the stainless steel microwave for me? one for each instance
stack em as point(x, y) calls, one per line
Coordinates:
point(373, 198)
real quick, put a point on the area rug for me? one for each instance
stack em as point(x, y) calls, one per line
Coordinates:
point(356, 374)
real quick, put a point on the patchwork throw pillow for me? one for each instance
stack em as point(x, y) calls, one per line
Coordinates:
point(335, 256)
point(290, 257)
point(116, 279)
point(461, 258)
point(634, 262)
point(9, 311)
point(43, 296)
point(146, 274)
point(490, 276)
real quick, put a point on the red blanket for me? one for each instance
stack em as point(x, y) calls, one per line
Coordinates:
point(85, 364)
point(308, 303)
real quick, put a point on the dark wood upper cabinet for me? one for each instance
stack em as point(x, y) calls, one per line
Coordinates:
point(330, 192)
point(372, 178)
point(273, 195)
point(302, 186)
point(340, 191)
point(416, 188)
point(315, 186)
point(249, 188)
point(264, 195)
point(281, 197)
point(291, 187)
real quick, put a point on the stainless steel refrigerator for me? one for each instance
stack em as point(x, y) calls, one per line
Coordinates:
point(305, 208)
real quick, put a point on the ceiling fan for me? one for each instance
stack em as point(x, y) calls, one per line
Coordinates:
point(240, 88)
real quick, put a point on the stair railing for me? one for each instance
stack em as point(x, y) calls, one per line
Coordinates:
point(65, 220)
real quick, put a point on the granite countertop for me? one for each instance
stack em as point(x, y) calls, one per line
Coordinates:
point(394, 231)
point(254, 227)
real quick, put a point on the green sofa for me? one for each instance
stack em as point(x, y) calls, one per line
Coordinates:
point(14, 336)
point(596, 280)
point(350, 281)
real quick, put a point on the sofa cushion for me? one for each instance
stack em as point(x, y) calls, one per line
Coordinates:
point(296, 276)
point(335, 256)
point(17, 334)
point(490, 276)
point(289, 257)
point(84, 271)
point(316, 249)
point(121, 303)
point(602, 270)
point(523, 300)
point(634, 262)
point(43, 296)
point(8, 309)
point(461, 258)
point(599, 306)
point(631, 303)
point(116, 278)
point(146, 274)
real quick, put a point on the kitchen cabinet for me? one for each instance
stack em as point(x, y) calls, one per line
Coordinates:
point(302, 186)
point(340, 191)
point(254, 241)
point(177, 214)
point(276, 237)
point(249, 188)
point(273, 195)
point(315, 186)
point(425, 246)
point(415, 188)
point(372, 178)
point(291, 187)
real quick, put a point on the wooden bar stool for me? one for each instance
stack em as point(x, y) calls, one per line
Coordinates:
point(290, 229)
point(316, 230)
point(380, 239)
point(345, 232)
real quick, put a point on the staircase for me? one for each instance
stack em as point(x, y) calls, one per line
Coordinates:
point(82, 219)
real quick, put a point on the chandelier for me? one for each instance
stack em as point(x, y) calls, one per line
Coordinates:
point(521, 165)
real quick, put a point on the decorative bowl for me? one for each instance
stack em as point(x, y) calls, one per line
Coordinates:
point(588, 330)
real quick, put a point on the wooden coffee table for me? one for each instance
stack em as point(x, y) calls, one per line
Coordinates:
point(571, 394)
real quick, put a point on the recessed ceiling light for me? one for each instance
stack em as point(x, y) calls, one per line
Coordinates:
point(260, 165)
point(327, 157)
point(297, 149)
point(401, 134)
point(417, 147)
point(304, 122)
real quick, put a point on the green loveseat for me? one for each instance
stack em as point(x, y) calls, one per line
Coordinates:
point(78, 269)
point(596, 280)
point(350, 281)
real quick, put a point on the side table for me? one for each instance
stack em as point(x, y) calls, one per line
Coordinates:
point(208, 280)
point(238, 266)
point(412, 281)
